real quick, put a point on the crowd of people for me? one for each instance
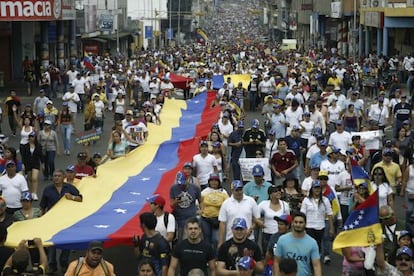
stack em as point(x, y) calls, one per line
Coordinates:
point(314, 110)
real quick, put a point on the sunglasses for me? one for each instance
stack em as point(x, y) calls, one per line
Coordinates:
point(387, 217)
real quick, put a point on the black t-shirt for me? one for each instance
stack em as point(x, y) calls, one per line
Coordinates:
point(252, 135)
point(5, 253)
point(402, 112)
point(192, 256)
point(230, 252)
point(10, 101)
point(156, 249)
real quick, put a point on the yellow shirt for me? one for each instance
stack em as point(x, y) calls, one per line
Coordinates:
point(212, 201)
point(88, 271)
point(392, 171)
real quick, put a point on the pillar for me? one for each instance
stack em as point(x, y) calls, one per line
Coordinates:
point(44, 47)
point(60, 46)
point(379, 41)
point(72, 41)
point(385, 41)
point(361, 40)
point(367, 41)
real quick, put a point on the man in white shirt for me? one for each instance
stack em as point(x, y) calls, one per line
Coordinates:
point(293, 115)
point(238, 205)
point(79, 87)
point(333, 166)
point(165, 221)
point(137, 130)
point(340, 138)
point(72, 99)
point(204, 164)
point(154, 87)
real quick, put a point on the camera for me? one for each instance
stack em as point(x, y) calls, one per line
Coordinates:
point(30, 243)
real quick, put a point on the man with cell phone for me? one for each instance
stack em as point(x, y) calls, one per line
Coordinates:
point(19, 261)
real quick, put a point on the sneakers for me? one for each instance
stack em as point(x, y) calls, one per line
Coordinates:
point(35, 197)
point(327, 260)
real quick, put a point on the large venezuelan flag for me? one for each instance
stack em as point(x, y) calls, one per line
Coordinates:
point(362, 227)
point(113, 201)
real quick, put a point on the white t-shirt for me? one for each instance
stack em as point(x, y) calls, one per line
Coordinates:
point(79, 85)
point(340, 140)
point(160, 227)
point(333, 169)
point(293, 118)
point(315, 212)
point(72, 99)
point(308, 128)
point(345, 180)
point(225, 129)
point(137, 133)
point(12, 189)
point(231, 209)
point(99, 107)
point(271, 225)
point(205, 167)
point(384, 190)
point(72, 75)
point(307, 184)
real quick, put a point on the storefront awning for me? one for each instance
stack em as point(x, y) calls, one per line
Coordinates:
point(114, 36)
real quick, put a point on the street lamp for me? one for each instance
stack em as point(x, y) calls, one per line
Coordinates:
point(354, 32)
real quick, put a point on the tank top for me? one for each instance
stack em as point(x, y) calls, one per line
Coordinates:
point(351, 122)
point(65, 118)
point(24, 136)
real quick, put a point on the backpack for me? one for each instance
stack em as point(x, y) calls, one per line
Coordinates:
point(81, 261)
point(174, 241)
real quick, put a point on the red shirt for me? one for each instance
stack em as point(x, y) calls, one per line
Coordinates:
point(283, 162)
point(83, 171)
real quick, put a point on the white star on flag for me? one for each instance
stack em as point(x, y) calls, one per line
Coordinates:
point(196, 102)
point(356, 222)
point(120, 211)
point(162, 169)
point(135, 193)
point(345, 227)
point(351, 226)
point(145, 178)
point(101, 226)
point(361, 212)
point(129, 202)
point(360, 217)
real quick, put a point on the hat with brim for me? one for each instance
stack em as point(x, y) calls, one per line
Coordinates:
point(284, 218)
point(95, 245)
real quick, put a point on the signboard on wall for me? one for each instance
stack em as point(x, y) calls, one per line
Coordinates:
point(374, 19)
point(336, 9)
point(106, 22)
point(30, 10)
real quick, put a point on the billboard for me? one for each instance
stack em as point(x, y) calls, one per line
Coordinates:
point(30, 10)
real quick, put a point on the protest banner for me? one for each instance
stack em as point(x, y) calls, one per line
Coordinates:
point(247, 164)
point(87, 136)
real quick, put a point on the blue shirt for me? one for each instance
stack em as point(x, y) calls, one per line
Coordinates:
point(235, 137)
point(51, 195)
point(303, 251)
point(317, 159)
point(278, 125)
point(252, 189)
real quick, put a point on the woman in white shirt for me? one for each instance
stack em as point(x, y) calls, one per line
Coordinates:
point(271, 208)
point(334, 111)
point(380, 183)
point(316, 207)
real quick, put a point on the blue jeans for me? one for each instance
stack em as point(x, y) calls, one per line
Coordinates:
point(66, 130)
point(327, 240)
point(49, 163)
point(235, 166)
point(55, 86)
point(210, 233)
point(63, 259)
point(253, 100)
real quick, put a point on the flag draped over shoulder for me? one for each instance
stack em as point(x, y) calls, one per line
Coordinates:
point(330, 194)
point(362, 227)
point(202, 37)
point(359, 175)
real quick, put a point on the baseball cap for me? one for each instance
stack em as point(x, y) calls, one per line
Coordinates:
point(316, 183)
point(47, 122)
point(406, 122)
point(97, 155)
point(188, 165)
point(404, 250)
point(226, 115)
point(237, 184)
point(255, 123)
point(82, 155)
point(355, 92)
point(272, 132)
point(49, 102)
point(41, 91)
point(214, 176)
point(339, 122)
point(26, 196)
point(203, 143)
point(240, 124)
point(403, 233)
point(380, 99)
point(306, 114)
point(246, 263)
point(387, 152)
point(10, 162)
point(129, 112)
point(363, 184)
point(276, 105)
point(70, 168)
point(285, 218)
point(156, 199)
point(258, 170)
point(95, 245)
point(323, 142)
point(323, 175)
point(332, 149)
point(295, 127)
point(356, 137)
point(268, 98)
point(239, 223)
point(314, 166)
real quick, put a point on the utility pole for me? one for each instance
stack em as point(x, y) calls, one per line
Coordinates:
point(354, 32)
